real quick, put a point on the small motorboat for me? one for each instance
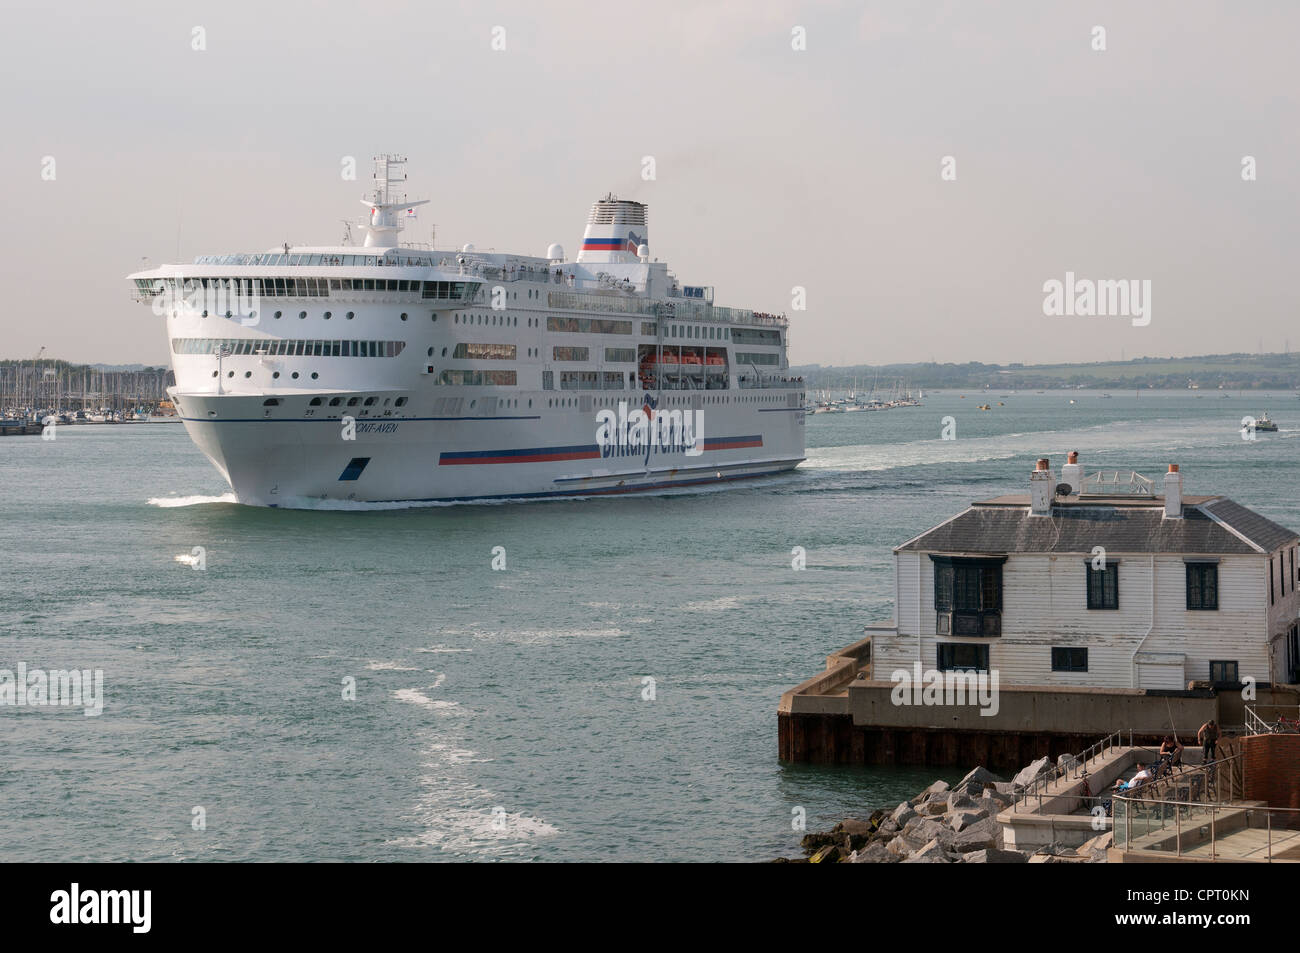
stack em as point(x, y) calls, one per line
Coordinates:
point(1263, 423)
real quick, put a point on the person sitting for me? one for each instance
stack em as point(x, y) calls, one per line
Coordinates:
point(1143, 775)
point(1171, 752)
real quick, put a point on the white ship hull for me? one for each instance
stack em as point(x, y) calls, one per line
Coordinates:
point(290, 461)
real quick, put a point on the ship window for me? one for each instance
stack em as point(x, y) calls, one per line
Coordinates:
point(335, 401)
point(327, 315)
point(485, 352)
point(1069, 659)
point(352, 401)
point(370, 401)
point(314, 402)
point(350, 315)
point(302, 315)
point(271, 402)
point(295, 375)
point(400, 402)
point(403, 315)
point(277, 315)
point(314, 375)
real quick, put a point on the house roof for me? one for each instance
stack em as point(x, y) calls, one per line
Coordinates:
point(1210, 525)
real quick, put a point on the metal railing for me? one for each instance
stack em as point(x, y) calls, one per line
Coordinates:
point(1255, 724)
point(1078, 763)
point(1282, 724)
point(1177, 824)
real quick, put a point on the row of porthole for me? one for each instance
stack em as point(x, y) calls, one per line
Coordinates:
point(510, 322)
point(399, 402)
point(353, 401)
point(247, 374)
point(302, 315)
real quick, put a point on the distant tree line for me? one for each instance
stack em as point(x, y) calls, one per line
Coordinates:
point(1226, 371)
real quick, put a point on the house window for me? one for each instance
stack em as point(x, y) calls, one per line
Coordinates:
point(1223, 672)
point(1272, 592)
point(963, 657)
point(1103, 586)
point(968, 595)
point(1069, 659)
point(1202, 586)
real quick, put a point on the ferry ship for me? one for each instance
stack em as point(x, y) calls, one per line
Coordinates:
point(392, 372)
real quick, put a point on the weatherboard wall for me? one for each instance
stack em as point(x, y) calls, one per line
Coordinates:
point(1151, 641)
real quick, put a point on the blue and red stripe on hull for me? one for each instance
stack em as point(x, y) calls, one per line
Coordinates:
point(590, 452)
point(533, 455)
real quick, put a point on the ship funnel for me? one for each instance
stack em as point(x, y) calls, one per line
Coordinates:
point(616, 232)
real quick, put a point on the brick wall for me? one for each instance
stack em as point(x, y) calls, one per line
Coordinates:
point(1273, 769)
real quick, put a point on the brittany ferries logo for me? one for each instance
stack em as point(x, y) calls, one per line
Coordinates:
point(649, 430)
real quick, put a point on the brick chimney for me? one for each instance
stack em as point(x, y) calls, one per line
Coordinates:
point(1173, 493)
point(1042, 488)
point(1072, 473)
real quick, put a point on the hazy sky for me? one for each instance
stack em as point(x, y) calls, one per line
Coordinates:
point(775, 168)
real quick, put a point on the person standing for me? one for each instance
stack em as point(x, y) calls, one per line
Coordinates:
point(1208, 738)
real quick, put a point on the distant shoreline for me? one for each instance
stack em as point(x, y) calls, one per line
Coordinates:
point(1211, 372)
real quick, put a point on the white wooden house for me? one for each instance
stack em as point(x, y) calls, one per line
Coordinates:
point(1098, 581)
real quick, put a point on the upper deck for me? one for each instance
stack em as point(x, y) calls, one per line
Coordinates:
point(647, 289)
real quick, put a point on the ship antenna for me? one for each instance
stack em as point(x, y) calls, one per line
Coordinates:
point(388, 205)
